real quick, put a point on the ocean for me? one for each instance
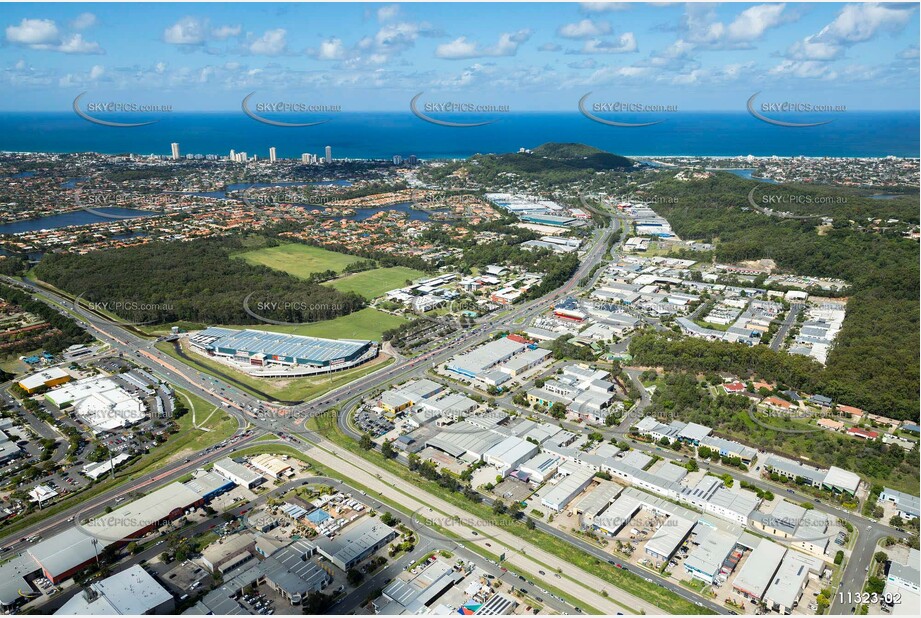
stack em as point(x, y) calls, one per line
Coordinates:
point(382, 135)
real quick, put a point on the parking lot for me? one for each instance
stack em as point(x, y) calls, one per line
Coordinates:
point(372, 423)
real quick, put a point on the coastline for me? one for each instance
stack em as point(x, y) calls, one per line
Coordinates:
point(642, 158)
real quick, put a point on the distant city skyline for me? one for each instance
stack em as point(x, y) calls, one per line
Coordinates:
point(375, 57)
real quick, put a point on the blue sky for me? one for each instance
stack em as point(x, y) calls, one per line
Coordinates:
point(529, 56)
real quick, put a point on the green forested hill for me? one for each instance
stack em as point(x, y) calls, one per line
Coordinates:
point(193, 281)
point(874, 363)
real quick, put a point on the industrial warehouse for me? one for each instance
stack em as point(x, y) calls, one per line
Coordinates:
point(100, 402)
point(268, 354)
point(497, 362)
point(59, 557)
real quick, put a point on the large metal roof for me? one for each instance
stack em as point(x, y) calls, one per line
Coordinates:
point(280, 344)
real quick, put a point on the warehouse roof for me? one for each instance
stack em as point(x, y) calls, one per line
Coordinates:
point(618, 513)
point(354, 540)
point(542, 462)
point(129, 592)
point(787, 584)
point(280, 344)
point(670, 472)
point(12, 577)
point(599, 499)
point(730, 447)
point(636, 459)
point(759, 569)
point(694, 432)
point(511, 449)
point(564, 491)
point(229, 466)
point(66, 550)
point(482, 358)
point(738, 502)
point(906, 502)
point(39, 379)
point(670, 535)
point(714, 546)
point(462, 437)
point(842, 479)
point(525, 358)
point(208, 484)
point(789, 466)
point(155, 507)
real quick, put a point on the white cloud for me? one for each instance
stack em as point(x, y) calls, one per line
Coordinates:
point(603, 7)
point(856, 23)
point(625, 43)
point(391, 40)
point(909, 53)
point(75, 44)
point(271, 43)
point(457, 49)
point(752, 23)
point(331, 49)
point(585, 63)
point(33, 32)
point(549, 47)
point(388, 12)
point(585, 29)
point(396, 38)
point(83, 21)
point(701, 28)
point(96, 72)
point(44, 34)
point(461, 49)
point(812, 48)
point(225, 32)
point(186, 31)
point(808, 69)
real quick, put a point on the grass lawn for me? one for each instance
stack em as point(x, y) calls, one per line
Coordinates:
point(720, 327)
point(367, 323)
point(12, 364)
point(289, 389)
point(298, 260)
point(374, 283)
point(210, 426)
